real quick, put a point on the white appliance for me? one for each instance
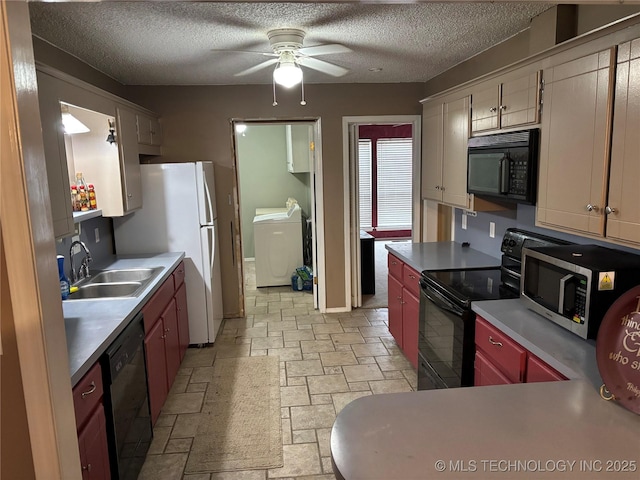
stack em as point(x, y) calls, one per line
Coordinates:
point(179, 214)
point(278, 246)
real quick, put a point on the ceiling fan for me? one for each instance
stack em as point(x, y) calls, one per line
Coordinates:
point(289, 55)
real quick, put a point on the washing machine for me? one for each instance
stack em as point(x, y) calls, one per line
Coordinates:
point(278, 246)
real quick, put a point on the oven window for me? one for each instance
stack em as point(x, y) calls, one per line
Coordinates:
point(443, 345)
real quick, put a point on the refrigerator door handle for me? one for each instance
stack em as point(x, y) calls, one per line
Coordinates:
point(212, 246)
point(209, 204)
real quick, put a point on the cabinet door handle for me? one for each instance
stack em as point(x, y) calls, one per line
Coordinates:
point(493, 109)
point(412, 277)
point(503, 108)
point(90, 391)
point(394, 263)
point(608, 210)
point(166, 329)
point(163, 336)
point(592, 208)
point(442, 188)
point(493, 342)
point(437, 187)
point(87, 468)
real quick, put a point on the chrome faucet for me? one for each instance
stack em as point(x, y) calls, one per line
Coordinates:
point(83, 270)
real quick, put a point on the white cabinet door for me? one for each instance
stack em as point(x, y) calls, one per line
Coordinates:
point(432, 135)
point(129, 160)
point(454, 161)
point(574, 145)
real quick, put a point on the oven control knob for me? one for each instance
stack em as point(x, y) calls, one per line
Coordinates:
point(512, 243)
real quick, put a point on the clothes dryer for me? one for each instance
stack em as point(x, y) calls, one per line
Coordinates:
point(278, 246)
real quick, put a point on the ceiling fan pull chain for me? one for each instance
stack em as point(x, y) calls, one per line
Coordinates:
point(303, 101)
point(274, 92)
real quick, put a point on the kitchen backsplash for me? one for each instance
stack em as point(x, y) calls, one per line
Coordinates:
point(100, 251)
point(477, 232)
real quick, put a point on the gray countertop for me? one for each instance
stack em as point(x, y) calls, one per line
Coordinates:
point(440, 255)
point(565, 351)
point(92, 325)
point(480, 432)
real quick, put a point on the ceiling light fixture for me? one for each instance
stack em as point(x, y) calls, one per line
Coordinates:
point(287, 73)
point(70, 123)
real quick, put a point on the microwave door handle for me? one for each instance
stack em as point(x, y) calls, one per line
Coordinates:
point(563, 286)
point(504, 175)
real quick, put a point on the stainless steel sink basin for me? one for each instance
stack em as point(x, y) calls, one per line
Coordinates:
point(107, 290)
point(124, 275)
point(115, 283)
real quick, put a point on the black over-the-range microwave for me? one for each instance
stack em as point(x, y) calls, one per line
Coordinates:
point(504, 166)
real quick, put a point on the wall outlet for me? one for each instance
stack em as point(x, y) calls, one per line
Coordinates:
point(97, 234)
point(464, 221)
point(492, 229)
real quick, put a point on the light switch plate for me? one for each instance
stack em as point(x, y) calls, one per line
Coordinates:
point(97, 234)
point(492, 229)
point(464, 221)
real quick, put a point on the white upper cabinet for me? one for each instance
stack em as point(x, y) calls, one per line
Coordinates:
point(299, 142)
point(445, 134)
point(149, 133)
point(622, 209)
point(574, 145)
point(509, 101)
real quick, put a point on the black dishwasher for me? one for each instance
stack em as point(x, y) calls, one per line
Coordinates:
point(129, 429)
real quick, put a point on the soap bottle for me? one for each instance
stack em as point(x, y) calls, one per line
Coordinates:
point(64, 282)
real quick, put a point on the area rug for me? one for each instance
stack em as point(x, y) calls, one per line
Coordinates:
point(240, 428)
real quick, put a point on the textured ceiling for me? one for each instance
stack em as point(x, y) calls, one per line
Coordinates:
point(173, 43)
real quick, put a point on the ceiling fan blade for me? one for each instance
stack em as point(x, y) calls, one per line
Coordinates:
point(323, 66)
point(257, 67)
point(324, 49)
point(224, 50)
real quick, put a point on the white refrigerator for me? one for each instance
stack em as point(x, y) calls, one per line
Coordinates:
point(179, 214)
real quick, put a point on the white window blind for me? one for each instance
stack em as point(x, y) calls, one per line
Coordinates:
point(364, 166)
point(394, 183)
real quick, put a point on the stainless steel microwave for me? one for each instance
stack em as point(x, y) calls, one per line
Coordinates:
point(504, 166)
point(574, 285)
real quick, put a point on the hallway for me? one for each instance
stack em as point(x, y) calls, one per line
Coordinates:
point(326, 361)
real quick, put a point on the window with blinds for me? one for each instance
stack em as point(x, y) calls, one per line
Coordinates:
point(364, 165)
point(394, 157)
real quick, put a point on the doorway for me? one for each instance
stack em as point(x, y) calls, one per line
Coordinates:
point(276, 164)
point(382, 194)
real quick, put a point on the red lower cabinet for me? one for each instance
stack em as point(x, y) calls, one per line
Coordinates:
point(91, 425)
point(156, 369)
point(485, 373)
point(404, 307)
point(395, 309)
point(171, 341)
point(539, 371)
point(410, 319)
point(94, 453)
point(183, 319)
point(166, 323)
point(500, 360)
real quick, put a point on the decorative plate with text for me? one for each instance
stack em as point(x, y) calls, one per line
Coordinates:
point(618, 351)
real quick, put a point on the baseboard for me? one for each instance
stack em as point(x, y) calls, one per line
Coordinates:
point(337, 310)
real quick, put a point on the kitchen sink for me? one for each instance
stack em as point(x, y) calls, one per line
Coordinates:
point(124, 275)
point(114, 283)
point(106, 290)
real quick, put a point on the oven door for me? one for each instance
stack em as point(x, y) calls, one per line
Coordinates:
point(445, 340)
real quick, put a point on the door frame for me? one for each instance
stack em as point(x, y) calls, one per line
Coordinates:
point(353, 293)
point(317, 205)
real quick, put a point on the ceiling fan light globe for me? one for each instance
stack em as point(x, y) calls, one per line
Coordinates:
point(287, 75)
